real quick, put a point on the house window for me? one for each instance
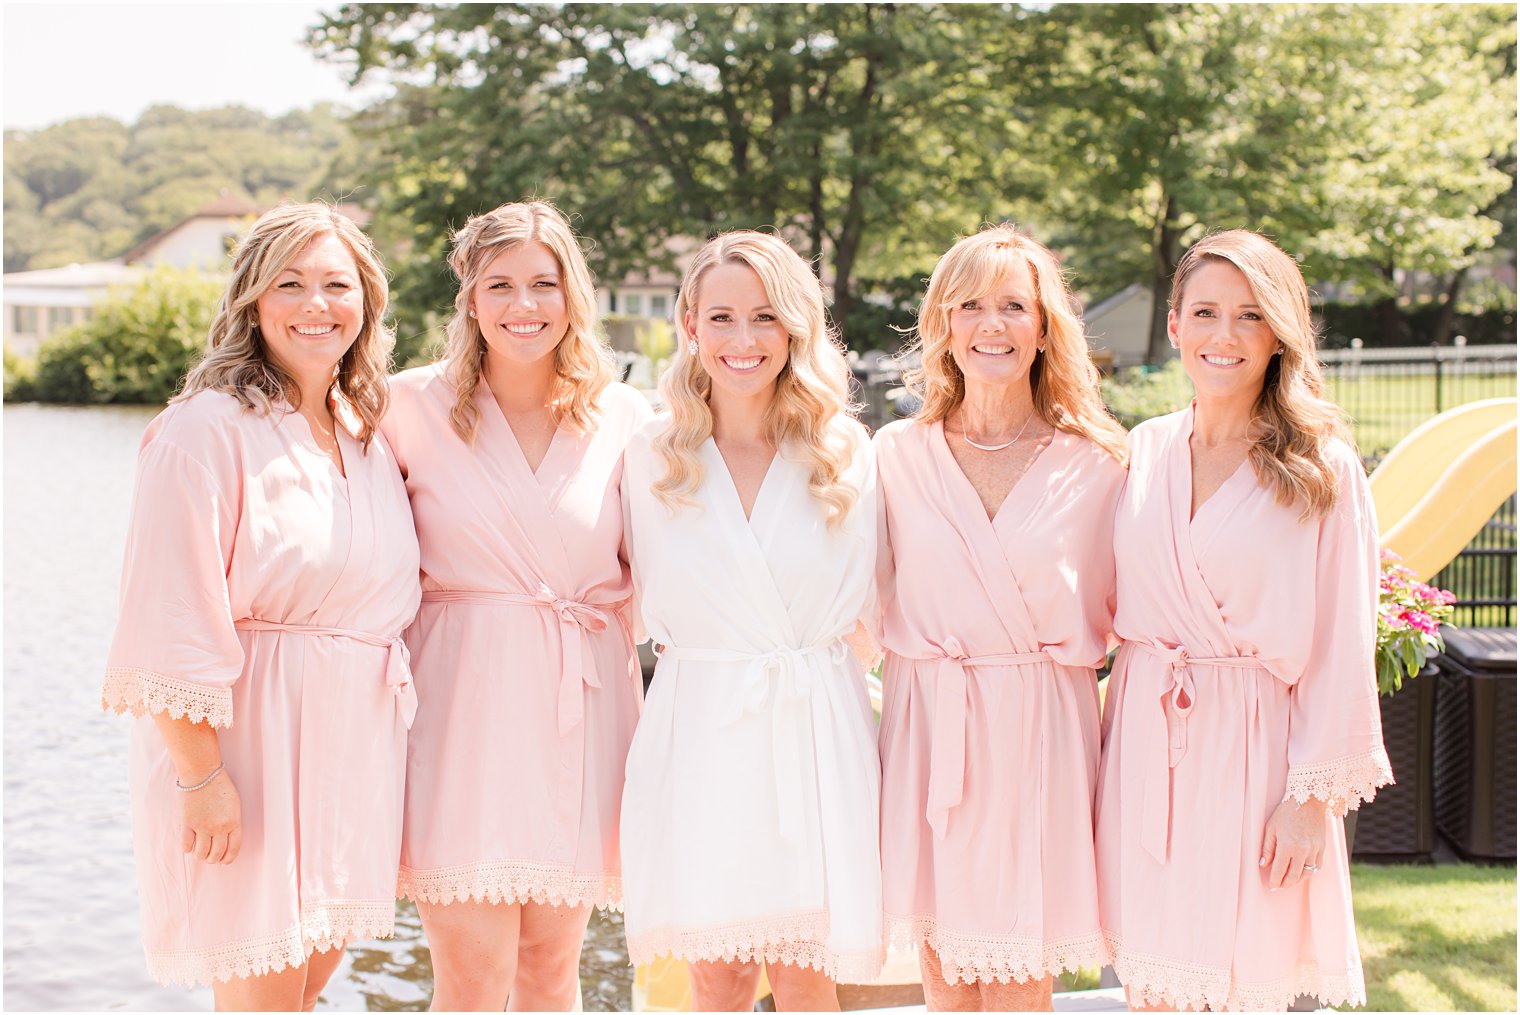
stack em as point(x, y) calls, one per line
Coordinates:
point(657, 307)
point(24, 320)
point(633, 303)
point(59, 318)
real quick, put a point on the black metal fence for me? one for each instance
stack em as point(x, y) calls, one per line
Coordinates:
point(1483, 575)
point(1389, 392)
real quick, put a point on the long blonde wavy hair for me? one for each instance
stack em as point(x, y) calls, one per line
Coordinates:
point(582, 364)
point(237, 361)
point(1063, 378)
point(811, 407)
point(1292, 423)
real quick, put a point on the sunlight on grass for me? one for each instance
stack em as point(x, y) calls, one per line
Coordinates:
point(1436, 938)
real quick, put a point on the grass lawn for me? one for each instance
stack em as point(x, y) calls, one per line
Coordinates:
point(1385, 407)
point(1436, 938)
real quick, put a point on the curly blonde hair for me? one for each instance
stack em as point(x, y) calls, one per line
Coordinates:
point(237, 361)
point(1292, 423)
point(1063, 378)
point(811, 408)
point(582, 363)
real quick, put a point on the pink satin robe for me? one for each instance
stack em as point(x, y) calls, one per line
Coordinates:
point(525, 664)
point(990, 724)
point(1246, 677)
point(266, 594)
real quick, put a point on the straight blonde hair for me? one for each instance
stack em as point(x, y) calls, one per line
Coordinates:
point(1292, 423)
point(811, 408)
point(1063, 378)
point(237, 361)
point(582, 363)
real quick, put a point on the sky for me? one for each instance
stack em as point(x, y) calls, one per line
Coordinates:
point(65, 60)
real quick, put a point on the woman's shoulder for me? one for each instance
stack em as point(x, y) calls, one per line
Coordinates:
point(899, 433)
point(418, 381)
point(623, 402)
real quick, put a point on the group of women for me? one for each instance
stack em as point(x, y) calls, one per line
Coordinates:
point(322, 731)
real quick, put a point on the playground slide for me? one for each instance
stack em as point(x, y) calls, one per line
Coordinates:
point(1409, 471)
point(1447, 484)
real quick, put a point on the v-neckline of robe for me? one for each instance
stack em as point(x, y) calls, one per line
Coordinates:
point(1227, 487)
point(484, 393)
point(346, 443)
point(968, 489)
point(732, 488)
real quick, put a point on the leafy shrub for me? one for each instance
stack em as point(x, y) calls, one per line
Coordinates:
point(1138, 393)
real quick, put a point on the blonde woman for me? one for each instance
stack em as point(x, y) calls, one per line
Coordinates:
point(270, 569)
point(997, 594)
point(750, 815)
point(1242, 718)
point(511, 446)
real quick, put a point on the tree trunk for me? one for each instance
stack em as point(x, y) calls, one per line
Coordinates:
point(1166, 251)
point(1391, 329)
point(1447, 319)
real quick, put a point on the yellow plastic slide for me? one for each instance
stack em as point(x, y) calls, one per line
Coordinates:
point(1441, 484)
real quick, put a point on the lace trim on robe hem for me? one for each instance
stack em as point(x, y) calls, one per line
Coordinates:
point(510, 882)
point(143, 692)
point(324, 926)
point(794, 938)
point(1343, 783)
point(973, 958)
point(1162, 982)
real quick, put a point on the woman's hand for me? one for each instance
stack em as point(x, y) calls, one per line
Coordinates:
point(212, 821)
point(1294, 840)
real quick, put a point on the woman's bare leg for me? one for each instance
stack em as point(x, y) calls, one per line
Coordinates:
point(277, 991)
point(939, 994)
point(797, 988)
point(723, 986)
point(549, 957)
point(320, 967)
point(474, 947)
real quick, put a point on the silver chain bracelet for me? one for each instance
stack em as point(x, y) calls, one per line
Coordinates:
point(202, 784)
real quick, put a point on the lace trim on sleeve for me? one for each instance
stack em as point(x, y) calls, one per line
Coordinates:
point(1343, 783)
point(144, 692)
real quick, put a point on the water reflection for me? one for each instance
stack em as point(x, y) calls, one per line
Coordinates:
point(71, 923)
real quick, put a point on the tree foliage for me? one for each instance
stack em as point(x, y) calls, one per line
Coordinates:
point(1368, 138)
point(865, 133)
point(89, 189)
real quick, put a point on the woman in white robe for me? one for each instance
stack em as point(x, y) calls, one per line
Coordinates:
point(749, 823)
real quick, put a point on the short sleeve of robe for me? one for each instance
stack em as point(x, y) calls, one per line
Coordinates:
point(175, 649)
point(1335, 743)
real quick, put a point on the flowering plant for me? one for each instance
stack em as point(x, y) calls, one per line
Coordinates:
point(1410, 615)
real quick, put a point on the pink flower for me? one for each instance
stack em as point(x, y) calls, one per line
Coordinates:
point(1419, 621)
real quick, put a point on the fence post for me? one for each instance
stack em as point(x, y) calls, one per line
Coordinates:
point(1436, 350)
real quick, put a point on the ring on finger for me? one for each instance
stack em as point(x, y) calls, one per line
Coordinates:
point(1310, 868)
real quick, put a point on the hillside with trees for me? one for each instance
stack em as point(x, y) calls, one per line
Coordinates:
point(91, 189)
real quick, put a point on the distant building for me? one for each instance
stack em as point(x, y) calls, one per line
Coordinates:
point(1120, 326)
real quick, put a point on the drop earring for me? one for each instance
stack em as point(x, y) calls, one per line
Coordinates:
point(691, 346)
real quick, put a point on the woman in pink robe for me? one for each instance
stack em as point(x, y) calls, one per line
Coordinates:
point(1242, 719)
point(512, 451)
point(270, 569)
point(997, 578)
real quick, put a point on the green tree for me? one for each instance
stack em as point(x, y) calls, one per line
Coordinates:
point(1363, 136)
point(863, 132)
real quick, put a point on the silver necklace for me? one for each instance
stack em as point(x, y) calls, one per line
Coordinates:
point(996, 447)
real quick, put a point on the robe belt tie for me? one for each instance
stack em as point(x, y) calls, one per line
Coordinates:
point(576, 621)
point(785, 676)
point(947, 749)
point(398, 664)
point(1176, 701)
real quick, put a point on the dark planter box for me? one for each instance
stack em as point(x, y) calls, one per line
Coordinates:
point(1475, 742)
point(1400, 825)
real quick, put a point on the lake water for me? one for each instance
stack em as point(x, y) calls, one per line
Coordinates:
point(71, 923)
